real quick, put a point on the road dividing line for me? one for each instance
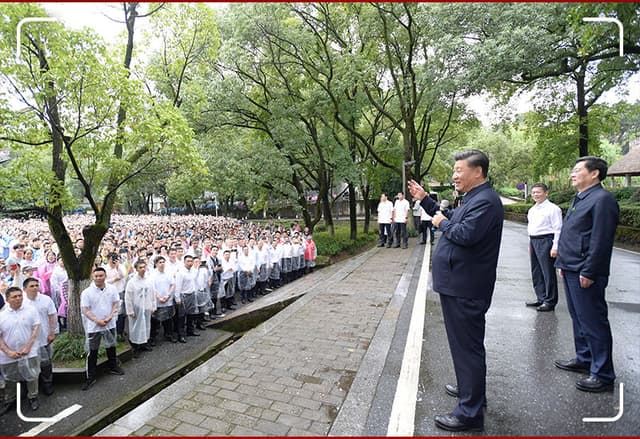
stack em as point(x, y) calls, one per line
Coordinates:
point(45, 422)
point(403, 411)
point(616, 417)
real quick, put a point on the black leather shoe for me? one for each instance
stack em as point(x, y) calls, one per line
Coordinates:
point(572, 365)
point(534, 303)
point(182, 340)
point(146, 348)
point(47, 389)
point(545, 307)
point(5, 407)
point(34, 403)
point(593, 384)
point(451, 390)
point(90, 382)
point(452, 423)
point(116, 370)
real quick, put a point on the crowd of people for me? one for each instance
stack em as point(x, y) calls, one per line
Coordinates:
point(152, 275)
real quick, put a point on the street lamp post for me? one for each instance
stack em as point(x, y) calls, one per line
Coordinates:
point(404, 176)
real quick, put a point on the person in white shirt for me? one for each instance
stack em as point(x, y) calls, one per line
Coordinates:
point(117, 276)
point(100, 304)
point(47, 316)
point(246, 274)
point(275, 254)
point(19, 359)
point(385, 211)
point(227, 281)
point(544, 224)
point(163, 285)
point(140, 302)
point(185, 297)
point(401, 209)
point(425, 224)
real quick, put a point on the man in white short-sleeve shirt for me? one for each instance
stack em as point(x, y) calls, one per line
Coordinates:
point(100, 303)
point(19, 360)
point(47, 315)
point(385, 211)
point(401, 209)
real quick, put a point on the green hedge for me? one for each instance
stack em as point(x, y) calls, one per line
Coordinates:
point(622, 194)
point(630, 215)
point(333, 245)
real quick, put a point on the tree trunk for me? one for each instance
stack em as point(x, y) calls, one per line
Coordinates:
point(583, 116)
point(353, 212)
point(74, 315)
point(367, 208)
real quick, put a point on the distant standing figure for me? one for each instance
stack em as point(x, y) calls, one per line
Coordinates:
point(400, 216)
point(385, 212)
point(544, 224)
point(584, 257)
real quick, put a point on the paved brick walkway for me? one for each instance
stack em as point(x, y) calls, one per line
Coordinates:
point(291, 374)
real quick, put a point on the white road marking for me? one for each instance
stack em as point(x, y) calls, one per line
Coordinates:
point(402, 419)
point(616, 417)
point(45, 422)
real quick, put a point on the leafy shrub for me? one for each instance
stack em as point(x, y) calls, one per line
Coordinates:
point(630, 216)
point(518, 207)
point(562, 196)
point(334, 245)
point(509, 192)
point(626, 194)
point(628, 235)
point(67, 347)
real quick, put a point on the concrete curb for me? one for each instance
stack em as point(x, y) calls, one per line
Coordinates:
point(352, 417)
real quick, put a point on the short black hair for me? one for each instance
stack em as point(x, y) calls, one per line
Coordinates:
point(99, 269)
point(593, 163)
point(475, 158)
point(541, 185)
point(28, 280)
point(11, 290)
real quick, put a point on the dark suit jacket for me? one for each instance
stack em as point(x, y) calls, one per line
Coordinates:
point(588, 231)
point(465, 260)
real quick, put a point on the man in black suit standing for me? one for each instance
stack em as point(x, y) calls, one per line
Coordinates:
point(464, 274)
point(584, 256)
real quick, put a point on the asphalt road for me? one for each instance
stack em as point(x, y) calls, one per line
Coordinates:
point(526, 394)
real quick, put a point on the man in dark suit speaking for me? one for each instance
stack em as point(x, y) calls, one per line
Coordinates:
point(464, 274)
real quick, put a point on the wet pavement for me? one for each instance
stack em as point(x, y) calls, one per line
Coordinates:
point(328, 364)
point(526, 393)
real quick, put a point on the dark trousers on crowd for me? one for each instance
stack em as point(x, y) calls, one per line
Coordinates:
point(591, 329)
point(92, 358)
point(401, 235)
point(543, 272)
point(426, 227)
point(464, 321)
point(180, 320)
point(46, 370)
point(385, 235)
point(167, 328)
point(120, 321)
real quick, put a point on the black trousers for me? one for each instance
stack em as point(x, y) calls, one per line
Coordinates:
point(543, 272)
point(426, 227)
point(464, 321)
point(401, 235)
point(385, 233)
